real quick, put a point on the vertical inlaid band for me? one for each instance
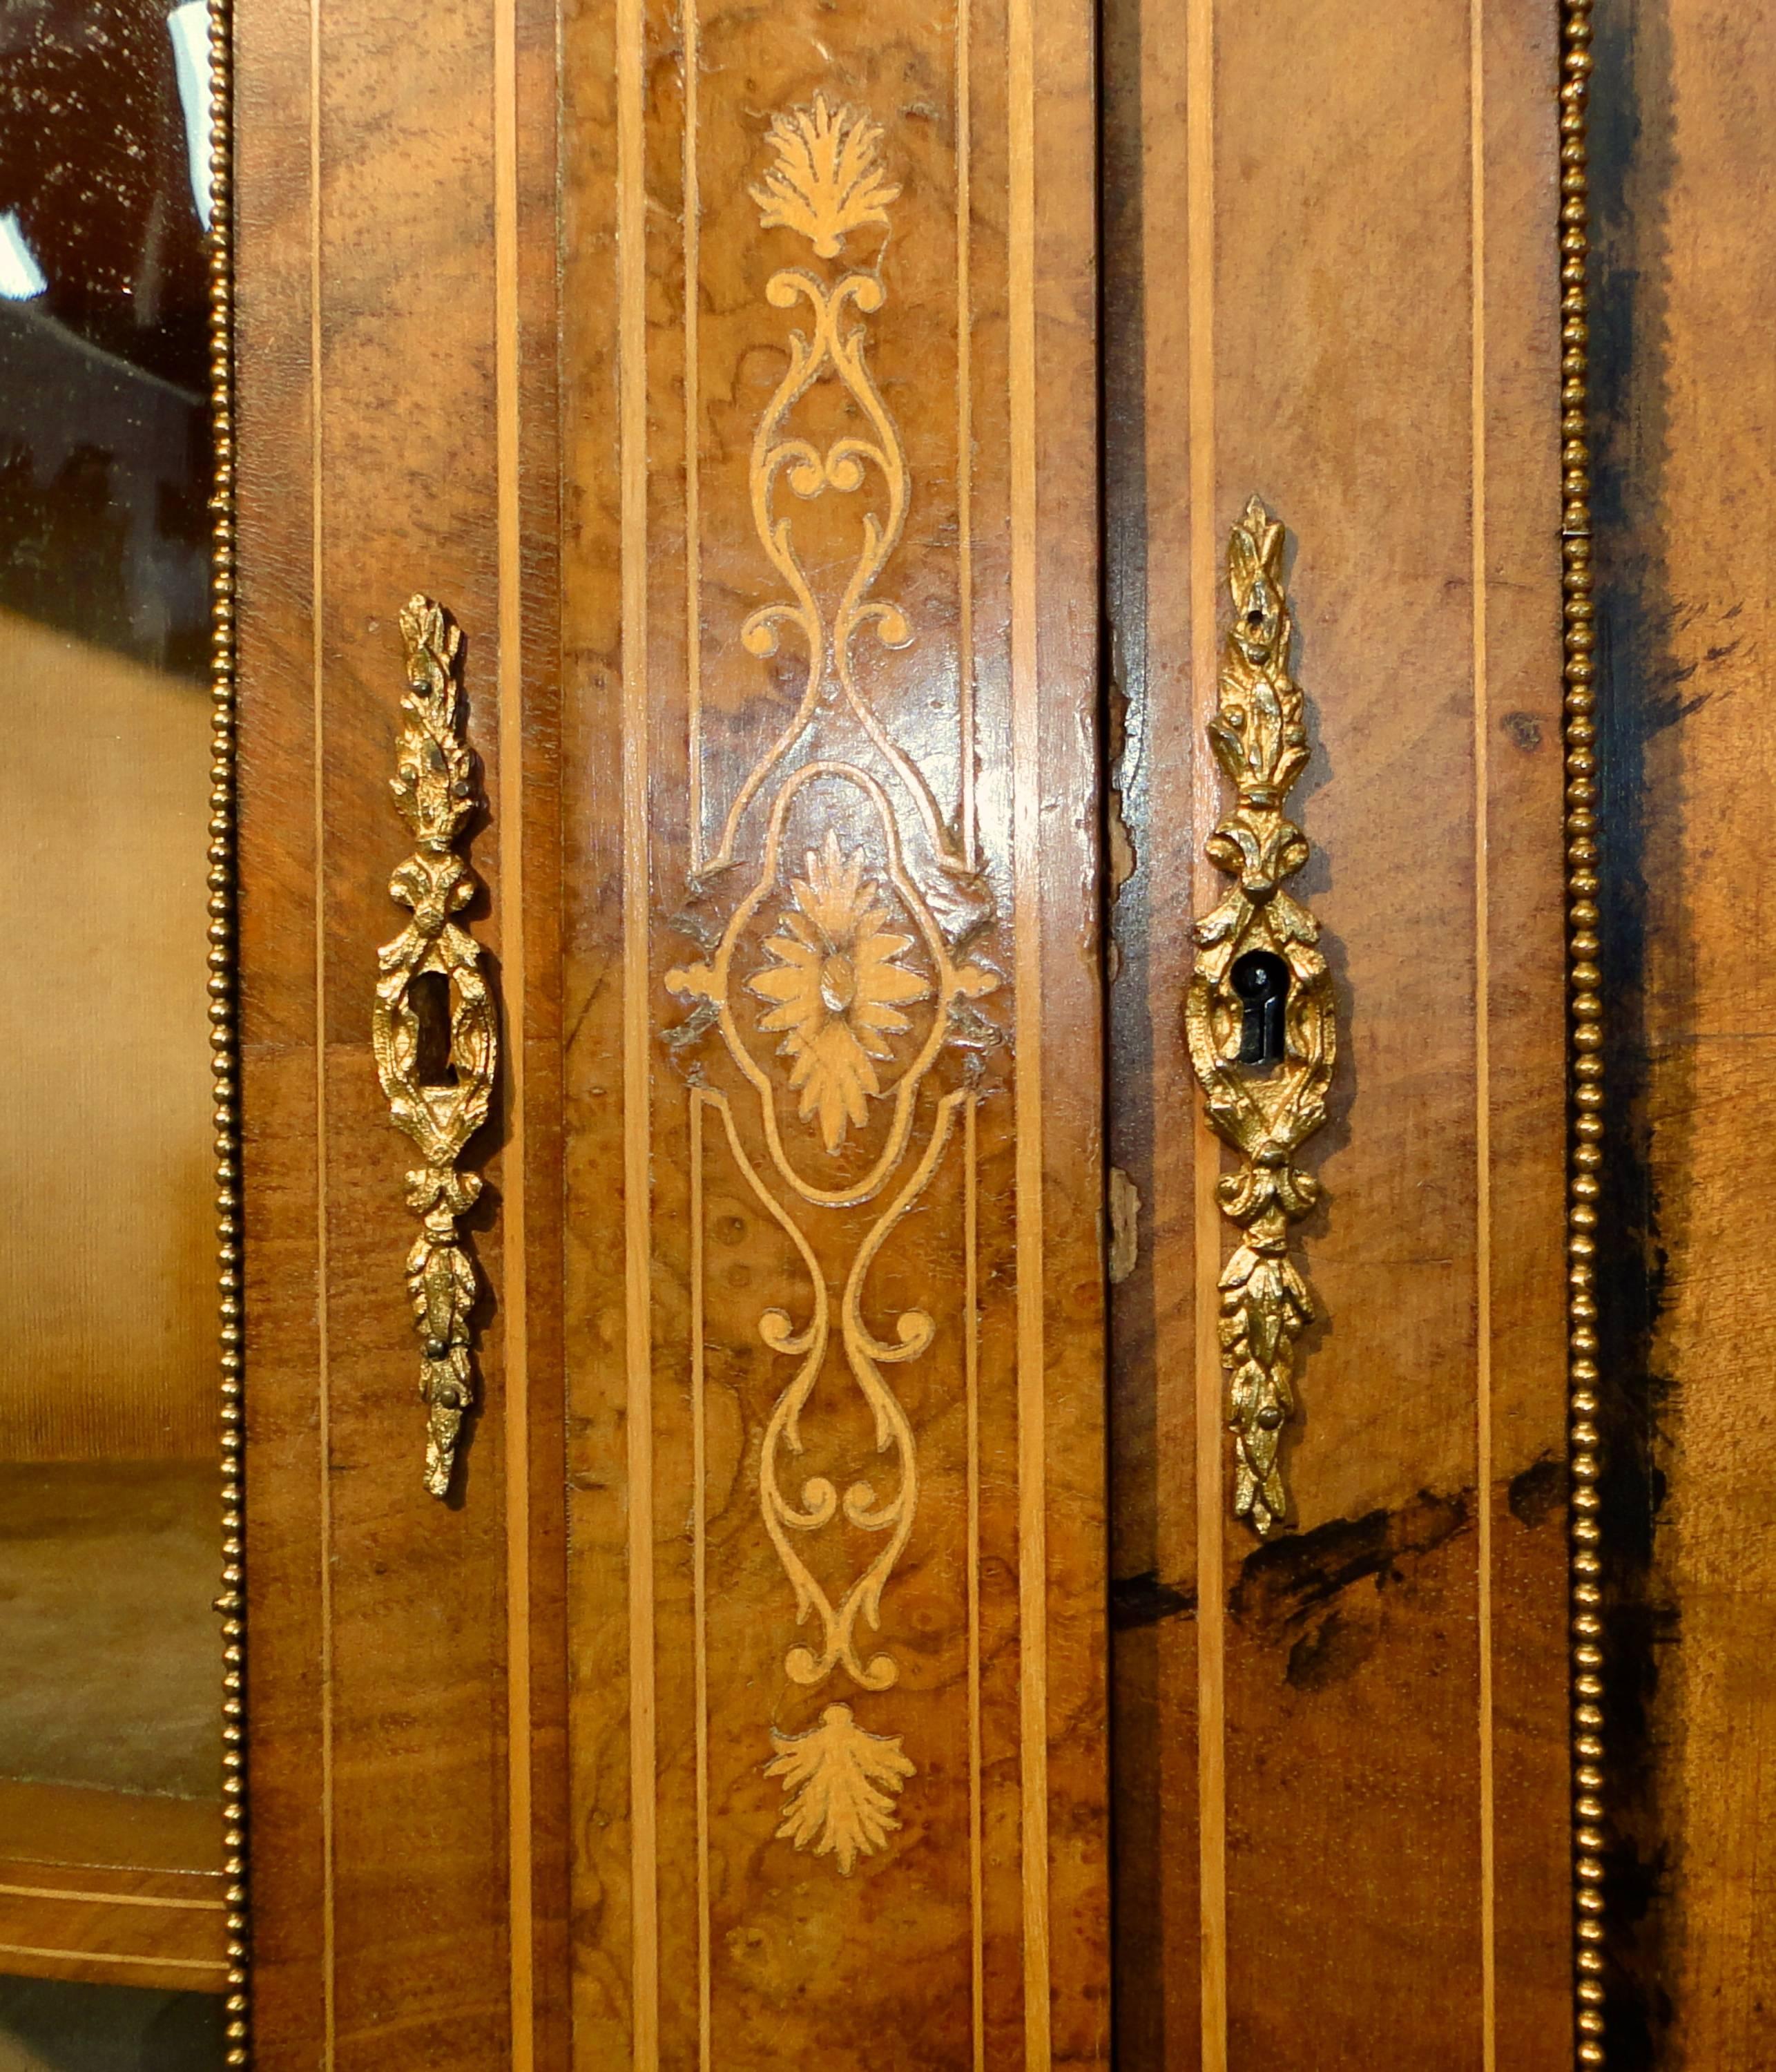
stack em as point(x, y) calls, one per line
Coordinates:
point(1482, 1019)
point(1026, 837)
point(691, 206)
point(514, 1294)
point(324, 1435)
point(632, 408)
point(971, 851)
point(1204, 571)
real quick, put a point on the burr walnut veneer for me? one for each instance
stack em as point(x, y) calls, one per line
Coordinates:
point(1341, 1776)
point(739, 1696)
point(726, 378)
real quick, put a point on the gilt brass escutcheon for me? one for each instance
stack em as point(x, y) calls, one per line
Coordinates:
point(436, 794)
point(1259, 1015)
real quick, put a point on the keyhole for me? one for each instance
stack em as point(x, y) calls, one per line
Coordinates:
point(429, 998)
point(1260, 978)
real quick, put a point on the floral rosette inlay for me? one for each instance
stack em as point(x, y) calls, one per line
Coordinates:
point(838, 985)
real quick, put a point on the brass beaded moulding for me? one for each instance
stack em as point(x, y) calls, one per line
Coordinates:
point(1585, 1032)
point(225, 1033)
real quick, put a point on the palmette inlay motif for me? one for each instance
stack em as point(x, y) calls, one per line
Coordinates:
point(839, 1780)
point(862, 984)
point(435, 794)
point(1265, 1106)
point(827, 181)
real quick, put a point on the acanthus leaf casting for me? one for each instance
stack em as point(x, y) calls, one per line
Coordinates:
point(1268, 1106)
point(435, 793)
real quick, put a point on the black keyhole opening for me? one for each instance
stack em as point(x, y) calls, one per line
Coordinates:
point(1260, 978)
point(429, 996)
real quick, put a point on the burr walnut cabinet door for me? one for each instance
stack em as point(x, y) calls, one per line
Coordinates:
point(393, 344)
point(677, 1260)
point(687, 412)
point(1341, 1756)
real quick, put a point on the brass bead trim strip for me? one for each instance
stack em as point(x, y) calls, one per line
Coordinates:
point(1585, 1034)
point(225, 1033)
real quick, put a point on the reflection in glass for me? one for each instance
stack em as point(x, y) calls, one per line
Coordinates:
point(109, 1656)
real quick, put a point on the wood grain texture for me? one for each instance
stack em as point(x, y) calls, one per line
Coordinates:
point(528, 319)
point(1685, 211)
point(412, 1675)
point(971, 1932)
point(1374, 1707)
point(395, 274)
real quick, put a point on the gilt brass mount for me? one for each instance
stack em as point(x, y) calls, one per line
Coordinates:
point(435, 792)
point(1259, 1016)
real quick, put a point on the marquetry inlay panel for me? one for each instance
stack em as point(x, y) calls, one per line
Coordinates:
point(836, 1767)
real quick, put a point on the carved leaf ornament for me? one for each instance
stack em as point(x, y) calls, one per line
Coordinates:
point(827, 181)
point(838, 1782)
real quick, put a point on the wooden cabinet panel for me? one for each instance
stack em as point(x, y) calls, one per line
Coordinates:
point(119, 1888)
point(730, 377)
point(799, 1314)
point(832, 1255)
point(404, 1673)
point(1341, 1755)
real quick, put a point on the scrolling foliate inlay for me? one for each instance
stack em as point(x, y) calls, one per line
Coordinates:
point(435, 793)
point(836, 987)
point(827, 186)
point(1259, 1015)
